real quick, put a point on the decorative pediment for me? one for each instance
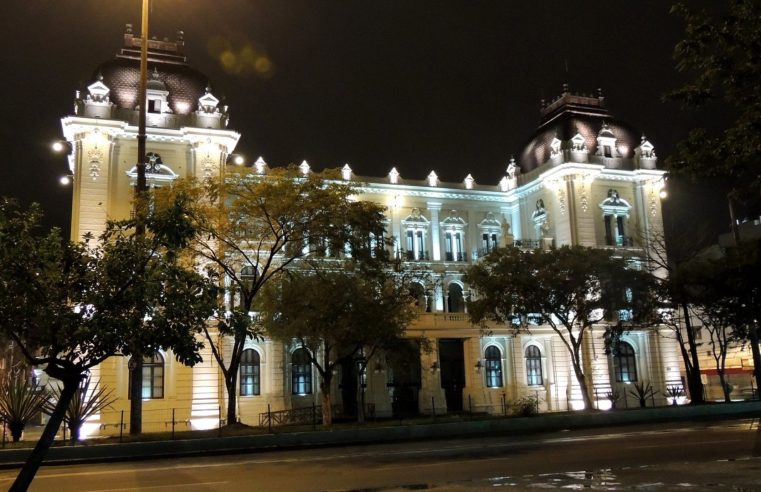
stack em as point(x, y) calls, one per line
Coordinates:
point(490, 222)
point(415, 220)
point(454, 221)
point(614, 204)
point(98, 91)
point(578, 144)
point(646, 149)
point(208, 103)
point(555, 147)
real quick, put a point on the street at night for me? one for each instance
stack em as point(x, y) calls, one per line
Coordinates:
point(693, 456)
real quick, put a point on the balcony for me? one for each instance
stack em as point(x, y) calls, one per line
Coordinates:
point(456, 257)
point(420, 256)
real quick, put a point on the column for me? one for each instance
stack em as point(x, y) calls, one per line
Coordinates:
point(435, 208)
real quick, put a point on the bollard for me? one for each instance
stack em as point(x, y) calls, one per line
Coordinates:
point(219, 410)
point(433, 408)
point(537, 401)
point(504, 405)
point(470, 406)
point(173, 424)
point(63, 424)
point(314, 417)
point(121, 427)
point(269, 417)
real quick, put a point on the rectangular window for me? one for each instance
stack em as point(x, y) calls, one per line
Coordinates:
point(448, 246)
point(608, 151)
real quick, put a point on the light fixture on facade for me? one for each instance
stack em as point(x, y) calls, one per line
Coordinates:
point(479, 366)
point(66, 180)
point(378, 368)
point(434, 366)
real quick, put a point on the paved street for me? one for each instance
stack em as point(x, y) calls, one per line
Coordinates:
point(694, 456)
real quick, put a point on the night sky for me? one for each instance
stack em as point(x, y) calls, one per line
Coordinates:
point(452, 86)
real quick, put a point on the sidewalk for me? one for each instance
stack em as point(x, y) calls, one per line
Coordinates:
point(94, 452)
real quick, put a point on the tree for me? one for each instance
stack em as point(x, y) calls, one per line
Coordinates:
point(673, 279)
point(570, 289)
point(69, 306)
point(722, 53)
point(253, 227)
point(340, 316)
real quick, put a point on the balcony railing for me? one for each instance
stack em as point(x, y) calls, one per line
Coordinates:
point(456, 257)
point(420, 256)
point(528, 243)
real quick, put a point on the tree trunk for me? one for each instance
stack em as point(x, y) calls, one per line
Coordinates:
point(724, 387)
point(74, 429)
point(588, 403)
point(136, 395)
point(17, 429)
point(232, 402)
point(29, 470)
point(360, 396)
point(327, 404)
point(753, 336)
point(694, 382)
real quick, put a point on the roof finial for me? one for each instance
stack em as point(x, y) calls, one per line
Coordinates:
point(565, 88)
point(599, 92)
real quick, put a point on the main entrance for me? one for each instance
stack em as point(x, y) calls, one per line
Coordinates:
point(452, 360)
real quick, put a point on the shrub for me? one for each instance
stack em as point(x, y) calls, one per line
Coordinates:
point(526, 406)
point(642, 391)
point(84, 404)
point(20, 401)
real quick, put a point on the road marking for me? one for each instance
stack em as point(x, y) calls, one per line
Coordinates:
point(680, 444)
point(154, 487)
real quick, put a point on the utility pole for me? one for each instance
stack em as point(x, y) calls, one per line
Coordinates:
point(136, 361)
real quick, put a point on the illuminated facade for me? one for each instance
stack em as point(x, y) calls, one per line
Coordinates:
point(584, 179)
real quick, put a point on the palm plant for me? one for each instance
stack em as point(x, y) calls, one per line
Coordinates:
point(85, 403)
point(642, 391)
point(20, 401)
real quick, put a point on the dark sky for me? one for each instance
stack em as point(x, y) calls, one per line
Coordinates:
point(452, 86)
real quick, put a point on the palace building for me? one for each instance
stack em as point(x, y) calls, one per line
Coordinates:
point(584, 178)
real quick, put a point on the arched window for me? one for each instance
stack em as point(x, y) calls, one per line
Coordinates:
point(153, 377)
point(455, 299)
point(625, 363)
point(534, 366)
point(419, 297)
point(301, 372)
point(249, 373)
point(493, 358)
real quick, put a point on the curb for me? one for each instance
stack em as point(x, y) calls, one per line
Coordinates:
point(96, 453)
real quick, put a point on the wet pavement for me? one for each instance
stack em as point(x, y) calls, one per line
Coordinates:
point(740, 475)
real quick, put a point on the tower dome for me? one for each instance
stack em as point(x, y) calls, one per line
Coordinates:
point(170, 72)
point(581, 123)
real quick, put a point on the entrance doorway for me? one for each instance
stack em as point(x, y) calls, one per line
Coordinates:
point(452, 360)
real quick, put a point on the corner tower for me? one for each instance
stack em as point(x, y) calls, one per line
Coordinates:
point(186, 130)
point(590, 178)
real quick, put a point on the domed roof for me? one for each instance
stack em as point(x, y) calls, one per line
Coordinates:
point(170, 72)
point(573, 114)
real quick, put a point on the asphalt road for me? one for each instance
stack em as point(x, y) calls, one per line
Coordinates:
point(692, 456)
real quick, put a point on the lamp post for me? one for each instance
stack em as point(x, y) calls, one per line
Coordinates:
point(136, 361)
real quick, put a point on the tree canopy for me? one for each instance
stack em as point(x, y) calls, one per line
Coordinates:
point(570, 289)
point(69, 306)
point(254, 227)
point(721, 52)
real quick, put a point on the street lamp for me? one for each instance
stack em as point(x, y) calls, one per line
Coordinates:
point(136, 391)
